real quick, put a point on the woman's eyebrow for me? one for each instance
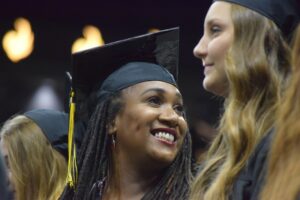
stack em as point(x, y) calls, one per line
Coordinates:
point(160, 91)
point(212, 21)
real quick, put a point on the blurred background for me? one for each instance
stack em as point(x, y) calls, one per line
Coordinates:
point(37, 38)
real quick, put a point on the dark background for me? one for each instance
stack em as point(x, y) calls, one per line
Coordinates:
point(57, 24)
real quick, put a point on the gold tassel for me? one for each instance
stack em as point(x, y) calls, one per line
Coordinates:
point(72, 163)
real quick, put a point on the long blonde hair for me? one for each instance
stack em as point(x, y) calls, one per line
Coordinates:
point(38, 171)
point(283, 174)
point(257, 65)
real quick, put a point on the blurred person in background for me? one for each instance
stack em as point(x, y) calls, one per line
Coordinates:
point(203, 131)
point(5, 191)
point(35, 147)
point(283, 169)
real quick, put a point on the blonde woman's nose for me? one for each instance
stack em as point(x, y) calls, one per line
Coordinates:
point(200, 50)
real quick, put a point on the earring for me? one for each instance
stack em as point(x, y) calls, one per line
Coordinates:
point(113, 140)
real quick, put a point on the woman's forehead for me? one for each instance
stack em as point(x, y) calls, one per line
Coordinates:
point(152, 86)
point(217, 11)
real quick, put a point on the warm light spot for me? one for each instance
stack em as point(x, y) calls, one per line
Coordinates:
point(153, 30)
point(18, 43)
point(92, 37)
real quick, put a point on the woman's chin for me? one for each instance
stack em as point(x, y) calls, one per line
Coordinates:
point(162, 158)
point(209, 86)
point(215, 87)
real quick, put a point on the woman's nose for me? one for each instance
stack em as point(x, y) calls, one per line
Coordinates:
point(169, 116)
point(200, 50)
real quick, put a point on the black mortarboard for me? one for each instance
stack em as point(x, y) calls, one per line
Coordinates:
point(284, 13)
point(54, 124)
point(121, 64)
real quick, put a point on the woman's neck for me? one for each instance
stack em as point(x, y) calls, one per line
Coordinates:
point(128, 187)
point(129, 181)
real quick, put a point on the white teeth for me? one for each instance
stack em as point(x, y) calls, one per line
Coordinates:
point(165, 136)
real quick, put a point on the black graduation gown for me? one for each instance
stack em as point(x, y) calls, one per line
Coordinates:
point(250, 180)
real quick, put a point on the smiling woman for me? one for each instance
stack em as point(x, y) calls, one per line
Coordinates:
point(247, 61)
point(137, 144)
point(213, 46)
point(154, 108)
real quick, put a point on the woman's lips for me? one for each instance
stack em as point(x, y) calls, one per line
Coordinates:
point(207, 68)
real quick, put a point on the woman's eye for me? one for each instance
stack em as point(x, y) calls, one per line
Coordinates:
point(154, 100)
point(179, 109)
point(215, 29)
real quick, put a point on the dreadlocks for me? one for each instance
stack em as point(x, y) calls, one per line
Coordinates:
point(175, 182)
point(95, 159)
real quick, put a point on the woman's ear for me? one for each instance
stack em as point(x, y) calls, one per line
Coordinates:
point(112, 127)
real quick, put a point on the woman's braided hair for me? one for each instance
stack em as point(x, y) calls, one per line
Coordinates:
point(95, 159)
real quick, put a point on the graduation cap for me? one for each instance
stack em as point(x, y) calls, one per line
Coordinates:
point(93, 66)
point(150, 55)
point(54, 125)
point(102, 71)
point(284, 13)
